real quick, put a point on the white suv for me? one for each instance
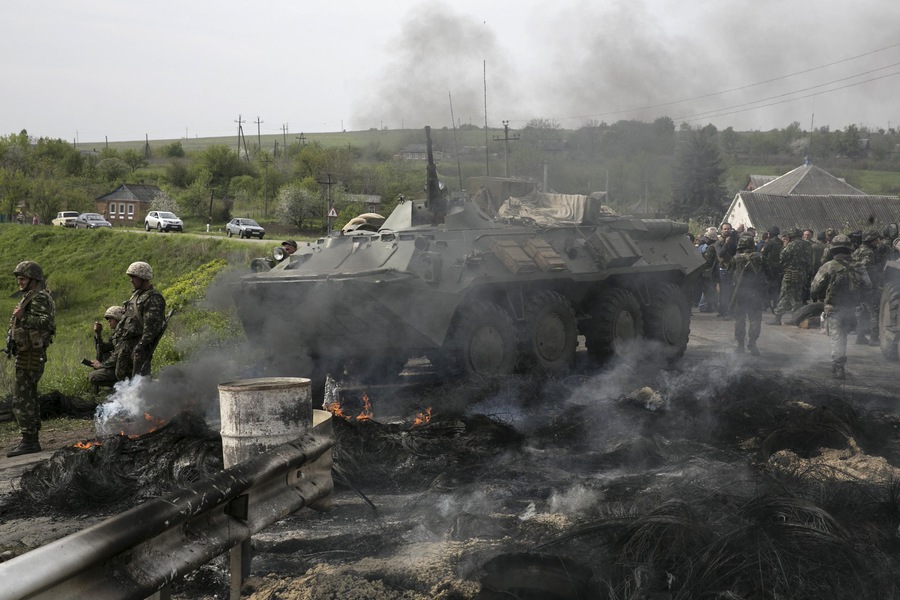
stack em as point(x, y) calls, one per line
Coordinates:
point(161, 220)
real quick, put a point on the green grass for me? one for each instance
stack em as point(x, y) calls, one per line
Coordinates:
point(85, 271)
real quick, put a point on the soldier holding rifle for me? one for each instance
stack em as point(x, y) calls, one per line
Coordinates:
point(142, 325)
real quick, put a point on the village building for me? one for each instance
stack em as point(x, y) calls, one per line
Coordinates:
point(810, 198)
point(128, 204)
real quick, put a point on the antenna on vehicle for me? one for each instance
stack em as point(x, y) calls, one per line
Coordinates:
point(455, 143)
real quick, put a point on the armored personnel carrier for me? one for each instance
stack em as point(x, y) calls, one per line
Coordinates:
point(481, 285)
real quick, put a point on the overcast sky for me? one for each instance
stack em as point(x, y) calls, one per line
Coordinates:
point(119, 69)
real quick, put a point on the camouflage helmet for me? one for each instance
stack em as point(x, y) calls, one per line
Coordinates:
point(871, 235)
point(29, 269)
point(793, 232)
point(140, 269)
point(114, 312)
point(746, 242)
point(841, 241)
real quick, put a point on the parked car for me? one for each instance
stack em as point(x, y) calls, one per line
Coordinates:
point(161, 220)
point(245, 228)
point(91, 221)
point(65, 218)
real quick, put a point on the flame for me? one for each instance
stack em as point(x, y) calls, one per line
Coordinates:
point(154, 422)
point(335, 409)
point(86, 445)
point(366, 412)
point(422, 418)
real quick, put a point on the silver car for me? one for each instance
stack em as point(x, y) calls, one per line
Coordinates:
point(244, 228)
point(91, 221)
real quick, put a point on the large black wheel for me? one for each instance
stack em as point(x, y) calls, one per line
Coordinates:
point(228, 232)
point(667, 319)
point(146, 226)
point(481, 341)
point(616, 323)
point(889, 321)
point(549, 335)
point(159, 227)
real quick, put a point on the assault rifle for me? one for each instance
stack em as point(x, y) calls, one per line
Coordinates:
point(11, 348)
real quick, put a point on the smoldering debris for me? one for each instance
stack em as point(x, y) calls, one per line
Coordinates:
point(116, 472)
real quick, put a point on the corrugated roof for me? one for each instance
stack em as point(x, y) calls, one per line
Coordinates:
point(757, 181)
point(808, 180)
point(846, 211)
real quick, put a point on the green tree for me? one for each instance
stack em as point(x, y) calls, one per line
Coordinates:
point(13, 190)
point(698, 192)
point(221, 163)
point(296, 204)
point(134, 159)
point(173, 150)
point(112, 169)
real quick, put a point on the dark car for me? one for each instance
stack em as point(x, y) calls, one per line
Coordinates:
point(91, 221)
point(245, 228)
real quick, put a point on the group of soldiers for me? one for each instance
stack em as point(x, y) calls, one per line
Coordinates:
point(136, 327)
point(783, 272)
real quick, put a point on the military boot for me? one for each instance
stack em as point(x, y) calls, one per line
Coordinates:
point(776, 320)
point(754, 351)
point(740, 348)
point(28, 445)
point(837, 371)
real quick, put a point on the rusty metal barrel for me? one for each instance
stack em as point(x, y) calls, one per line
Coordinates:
point(259, 414)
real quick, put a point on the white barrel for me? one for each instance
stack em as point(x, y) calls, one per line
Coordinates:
point(259, 414)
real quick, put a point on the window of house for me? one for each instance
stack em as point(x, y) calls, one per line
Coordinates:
point(122, 208)
point(131, 211)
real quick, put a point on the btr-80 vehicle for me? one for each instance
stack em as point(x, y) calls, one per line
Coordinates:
point(487, 284)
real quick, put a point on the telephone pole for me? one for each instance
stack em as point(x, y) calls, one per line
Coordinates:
point(266, 184)
point(258, 134)
point(284, 132)
point(241, 138)
point(505, 139)
point(328, 183)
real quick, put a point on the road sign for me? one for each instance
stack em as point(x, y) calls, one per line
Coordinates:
point(332, 214)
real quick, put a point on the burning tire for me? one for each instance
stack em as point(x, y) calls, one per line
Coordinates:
point(616, 323)
point(481, 341)
point(550, 334)
point(667, 319)
point(888, 316)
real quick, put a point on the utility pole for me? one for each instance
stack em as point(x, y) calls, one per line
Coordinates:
point(505, 139)
point(302, 139)
point(258, 134)
point(328, 183)
point(284, 130)
point(147, 152)
point(240, 123)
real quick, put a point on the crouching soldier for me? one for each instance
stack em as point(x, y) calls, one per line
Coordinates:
point(32, 327)
point(142, 324)
point(104, 373)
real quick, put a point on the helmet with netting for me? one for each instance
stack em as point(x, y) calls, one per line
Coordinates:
point(793, 232)
point(140, 269)
point(114, 312)
point(841, 241)
point(746, 242)
point(29, 269)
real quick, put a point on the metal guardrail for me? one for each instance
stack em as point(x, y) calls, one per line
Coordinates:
point(138, 553)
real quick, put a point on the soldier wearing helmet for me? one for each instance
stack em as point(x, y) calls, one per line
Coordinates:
point(839, 283)
point(104, 365)
point(748, 272)
point(142, 324)
point(796, 265)
point(31, 330)
point(869, 255)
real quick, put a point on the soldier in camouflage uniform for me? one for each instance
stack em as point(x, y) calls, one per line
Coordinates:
point(869, 256)
point(747, 271)
point(839, 283)
point(141, 325)
point(770, 251)
point(32, 327)
point(796, 261)
point(104, 373)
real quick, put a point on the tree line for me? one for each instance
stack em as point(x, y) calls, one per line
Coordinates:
point(647, 167)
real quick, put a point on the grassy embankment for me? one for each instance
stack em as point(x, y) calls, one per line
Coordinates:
point(85, 271)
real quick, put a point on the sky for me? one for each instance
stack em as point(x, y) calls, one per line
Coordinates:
point(121, 70)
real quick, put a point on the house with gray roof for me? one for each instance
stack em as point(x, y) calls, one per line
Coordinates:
point(809, 197)
point(128, 204)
